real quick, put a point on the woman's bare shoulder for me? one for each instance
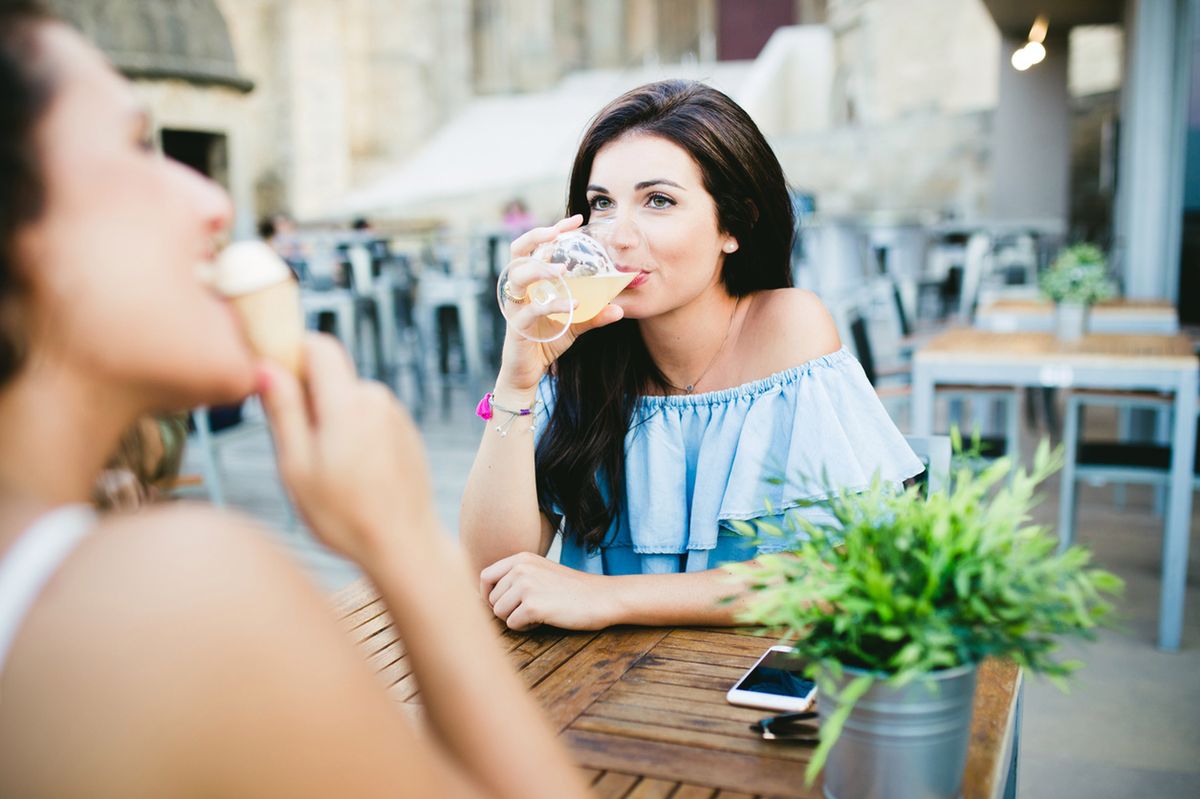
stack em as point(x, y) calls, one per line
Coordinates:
point(182, 636)
point(172, 549)
point(787, 327)
point(144, 585)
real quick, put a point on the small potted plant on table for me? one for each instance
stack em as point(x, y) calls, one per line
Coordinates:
point(895, 602)
point(1077, 280)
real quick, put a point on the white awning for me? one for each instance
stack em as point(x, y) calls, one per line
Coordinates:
point(510, 145)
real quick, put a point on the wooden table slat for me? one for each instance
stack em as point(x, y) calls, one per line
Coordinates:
point(982, 346)
point(565, 696)
point(693, 792)
point(708, 707)
point(644, 710)
point(380, 638)
point(998, 685)
point(403, 691)
point(725, 643)
point(681, 719)
point(395, 672)
point(554, 656)
point(535, 646)
point(723, 770)
point(682, 693)
point(657, 726)
point(650, 788)
point(591, 774)
point(613, 785)
point(357, 602)
point(668, 677)
point(695, 667)
point(692, 655)
point(370, 621)
point(385, 657)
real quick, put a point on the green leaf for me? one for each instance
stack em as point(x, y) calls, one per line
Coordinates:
point(831, 728)
point(900, 584)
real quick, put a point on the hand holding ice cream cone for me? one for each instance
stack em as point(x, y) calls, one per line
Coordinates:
point(266, 299)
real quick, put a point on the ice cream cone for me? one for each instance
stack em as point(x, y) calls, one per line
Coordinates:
point(272, 324)
point(266, 299)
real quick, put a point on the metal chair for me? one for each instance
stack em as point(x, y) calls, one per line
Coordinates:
point(209, 442)
point(437, 293)
point(852, 320)
point(1101, 462)
point(935, 453)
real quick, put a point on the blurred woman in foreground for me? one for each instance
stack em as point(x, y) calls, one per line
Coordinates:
point(177, 652)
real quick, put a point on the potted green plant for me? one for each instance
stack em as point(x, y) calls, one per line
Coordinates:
point(1077, 280)
point(894, 603)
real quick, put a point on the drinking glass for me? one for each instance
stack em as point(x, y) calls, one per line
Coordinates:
point(566, 281)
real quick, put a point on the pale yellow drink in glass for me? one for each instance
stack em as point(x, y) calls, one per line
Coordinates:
point(592, 293)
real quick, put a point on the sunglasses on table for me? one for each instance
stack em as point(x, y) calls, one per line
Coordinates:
point(795, 727)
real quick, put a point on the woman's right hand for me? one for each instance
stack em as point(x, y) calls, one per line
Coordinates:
point(524, 361)
point(349, 454)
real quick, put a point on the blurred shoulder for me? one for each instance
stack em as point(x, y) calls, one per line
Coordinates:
point(787, 327)
point(167, 631)
point(170, 574)
point(174, 543)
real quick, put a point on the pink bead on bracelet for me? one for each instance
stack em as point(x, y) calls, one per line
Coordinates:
point(487, 408)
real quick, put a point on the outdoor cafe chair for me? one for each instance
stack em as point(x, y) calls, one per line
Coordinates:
point(440, 299)
point(1103, 462)
point(210, 442)
point(935, 453)
point(852, 320)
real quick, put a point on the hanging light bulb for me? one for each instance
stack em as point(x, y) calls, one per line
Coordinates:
point(1020, 60)
point(1033, 51)
point(1037, 32)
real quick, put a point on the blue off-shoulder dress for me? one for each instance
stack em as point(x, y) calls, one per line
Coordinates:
point(697, 462)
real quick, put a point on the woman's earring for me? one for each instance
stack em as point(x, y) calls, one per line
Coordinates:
point(730, 247)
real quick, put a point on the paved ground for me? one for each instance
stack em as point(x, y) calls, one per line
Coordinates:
point(1130, 725)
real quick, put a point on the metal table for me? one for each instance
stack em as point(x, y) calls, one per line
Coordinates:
point(1122, 362)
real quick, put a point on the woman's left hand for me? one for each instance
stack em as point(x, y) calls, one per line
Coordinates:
point(526, 590)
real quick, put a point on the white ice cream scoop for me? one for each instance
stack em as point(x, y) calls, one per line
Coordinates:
point(262, 291)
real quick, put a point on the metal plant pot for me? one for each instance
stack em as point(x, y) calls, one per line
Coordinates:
point(1070, 321)
point(903, 743)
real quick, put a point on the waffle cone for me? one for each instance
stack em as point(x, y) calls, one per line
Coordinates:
point(273, 325)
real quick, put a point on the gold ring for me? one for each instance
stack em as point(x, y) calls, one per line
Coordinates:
point(508, 295)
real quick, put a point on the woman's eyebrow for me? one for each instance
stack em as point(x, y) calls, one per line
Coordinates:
point(645, 184)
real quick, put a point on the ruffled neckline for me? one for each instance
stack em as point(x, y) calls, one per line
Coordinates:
point(747, 390)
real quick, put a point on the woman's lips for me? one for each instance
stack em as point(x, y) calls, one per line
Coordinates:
point(637, 281)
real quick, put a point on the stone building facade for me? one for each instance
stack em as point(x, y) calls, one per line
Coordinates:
point(293, 103)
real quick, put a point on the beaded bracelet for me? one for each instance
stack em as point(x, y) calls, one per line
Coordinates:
point(487, 407)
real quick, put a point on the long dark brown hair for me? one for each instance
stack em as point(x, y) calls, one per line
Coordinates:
point(25, 92)
point(581, 456)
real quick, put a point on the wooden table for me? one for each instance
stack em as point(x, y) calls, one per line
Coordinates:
point(1116, 316)
point(1123, 362)
point(643, 708)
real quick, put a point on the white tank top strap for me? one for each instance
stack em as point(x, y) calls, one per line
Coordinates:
point(32, 560)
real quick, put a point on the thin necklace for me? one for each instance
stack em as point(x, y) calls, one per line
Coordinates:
point(691, 387)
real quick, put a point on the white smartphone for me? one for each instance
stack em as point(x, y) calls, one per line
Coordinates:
point(775, 682)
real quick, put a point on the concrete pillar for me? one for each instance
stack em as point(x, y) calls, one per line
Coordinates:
point(641, 31)
point(708, 30)
point(320, 165)
point(604, 31)
point(1031, 160)
point(1153, 126)
point(529, 36)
